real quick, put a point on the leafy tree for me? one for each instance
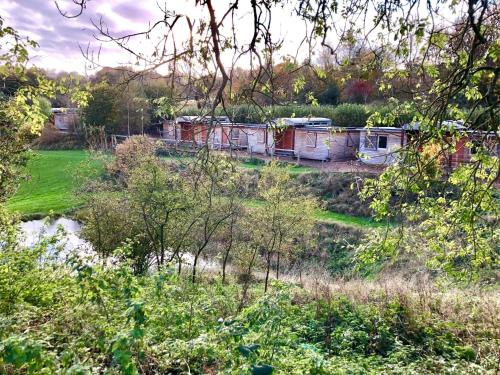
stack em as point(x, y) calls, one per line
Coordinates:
point(164, 204)
point(451, 223)
point(24, 111)
point(358, 91)
point(330, 95)
point(103, 108)
point(215, 185)
point(284, 216)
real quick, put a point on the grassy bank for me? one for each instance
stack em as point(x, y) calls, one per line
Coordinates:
point(330, 217)
point(50, 183)
point(255, 164)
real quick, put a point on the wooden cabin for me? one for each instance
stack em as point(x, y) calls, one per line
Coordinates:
point(191, 130)
point(379, 146)
point(284, 132)
point(463, 142)
point(66, 120)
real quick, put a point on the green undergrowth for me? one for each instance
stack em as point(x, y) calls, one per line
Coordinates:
point(329, 217)
point(75, 318)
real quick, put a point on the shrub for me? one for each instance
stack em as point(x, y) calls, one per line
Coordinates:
point(330, 95)
point(343, 115)
point(52, 139)
point(337, 191)
point(130, 154)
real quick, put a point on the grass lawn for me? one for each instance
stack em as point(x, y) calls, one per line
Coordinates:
point(50, 185)
point(344, 219)
point(332, 217)
point(291, 168)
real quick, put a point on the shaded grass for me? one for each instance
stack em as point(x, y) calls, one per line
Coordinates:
point(331, 217)
point(291, 168)
point(339, 218)
point(50, 183)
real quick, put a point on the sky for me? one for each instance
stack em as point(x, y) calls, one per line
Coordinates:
point(61, 39)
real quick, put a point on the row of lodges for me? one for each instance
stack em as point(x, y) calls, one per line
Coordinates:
point(308, 138)
point(313, 138)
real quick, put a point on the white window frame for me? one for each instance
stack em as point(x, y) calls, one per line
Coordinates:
point(386, 142)
point(235, 134)
point(311, 139)
point(369, 143)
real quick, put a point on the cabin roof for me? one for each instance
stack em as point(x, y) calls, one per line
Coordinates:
point(202, 119)
point(388, 129)
point(303, 121)
point(449, 124)
point(64, 110)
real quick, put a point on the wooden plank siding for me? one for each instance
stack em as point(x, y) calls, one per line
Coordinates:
point(379, 146)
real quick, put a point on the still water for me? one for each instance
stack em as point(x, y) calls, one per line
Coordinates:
point(35, 230)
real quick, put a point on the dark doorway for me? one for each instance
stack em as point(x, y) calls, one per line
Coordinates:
point(187, 133)
point(284, 139)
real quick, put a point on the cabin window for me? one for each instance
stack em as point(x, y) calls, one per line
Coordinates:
point(382, 141)
point(350, 141)
point(371, 142)
point(260, 136)
point(235, 134)
point(311, 139)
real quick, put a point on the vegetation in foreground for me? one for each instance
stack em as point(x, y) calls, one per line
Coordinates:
point(78, 317)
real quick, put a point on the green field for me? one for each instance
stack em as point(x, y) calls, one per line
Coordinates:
point(51, 183)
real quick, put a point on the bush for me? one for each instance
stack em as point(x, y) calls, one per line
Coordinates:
point(337, 191)
point(342, 115)
point(130, 154)
point(98, 319)
point(52, 139)
point(330, 95)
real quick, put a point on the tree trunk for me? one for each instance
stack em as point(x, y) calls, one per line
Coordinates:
point(224, 264)
point(267, 272)
point(226, 258)
point(179, 265)
point(162, 244)
point(195, 262)
point(245, 285)
point(278, 267)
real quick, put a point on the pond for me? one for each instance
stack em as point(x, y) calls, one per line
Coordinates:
point(35, 230)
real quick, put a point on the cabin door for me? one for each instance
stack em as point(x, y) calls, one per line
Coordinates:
point(285, 139)
point(187, 133)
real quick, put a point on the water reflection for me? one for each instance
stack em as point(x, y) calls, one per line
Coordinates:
point(35, 230)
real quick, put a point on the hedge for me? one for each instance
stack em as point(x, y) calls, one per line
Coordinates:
point(343, 115)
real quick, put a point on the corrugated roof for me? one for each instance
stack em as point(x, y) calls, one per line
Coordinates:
point(450, 124)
